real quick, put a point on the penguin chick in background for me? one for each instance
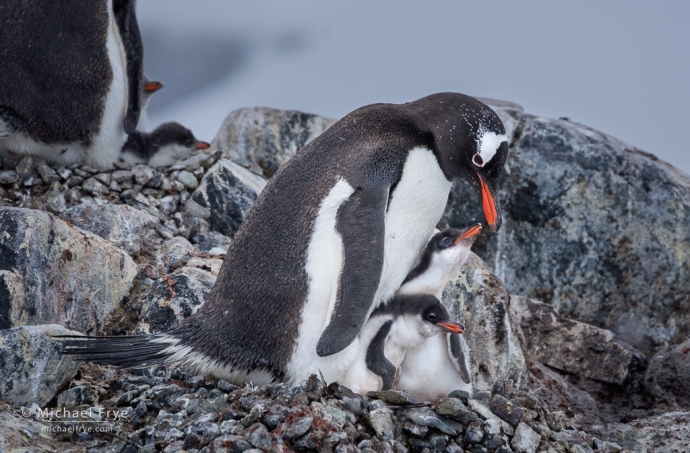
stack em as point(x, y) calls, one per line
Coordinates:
point(148, 88)
point(70, 79)
point(414, 315)
point(163, 146)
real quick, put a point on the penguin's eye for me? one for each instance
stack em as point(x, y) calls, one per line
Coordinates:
point(188, 143)
point(478, 161)
point(431, 316)
point(446, 242)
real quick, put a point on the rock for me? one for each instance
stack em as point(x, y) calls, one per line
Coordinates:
point(427, 417)
point(668, 375)
point(525, 440)
point(477, 300)
point(505, 409)
point(488, 416)
point(94, 187)
point(460, 394)
point(142, 174)
point(228, 191)
point(32, 368)
point(26, 167)
point(176, 252)
point(397, 397)
point(175, 297)
point(188, 179)
point(120, 224)
point(664, 433)
point(21, 434)
point(194, 209)
point(76, 396)
point(66, 275)
point(298, 428)
point(474, 433)
point(211, 242)
point(55, 201)
point(592, 226)
point(381, 421)
point(454, 408)
point(258, 436)
point(571, 346)
point(9, 177)
point(263, 139)
point(168, 205)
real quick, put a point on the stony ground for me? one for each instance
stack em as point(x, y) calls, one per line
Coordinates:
point(546, 382)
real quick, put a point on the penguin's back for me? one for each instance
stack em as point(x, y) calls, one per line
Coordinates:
point(253, 313)
point(55, 72)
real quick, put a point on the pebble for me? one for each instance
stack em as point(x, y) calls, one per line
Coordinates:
point(94, 187)
point(525, 440)
point(475, 432)
point(427, 417)
point(142, 174)
point(188, 179)
point(9, 177)
point(504, 408)
point(396, 397)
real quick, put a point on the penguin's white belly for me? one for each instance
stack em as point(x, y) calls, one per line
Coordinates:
point(428, 373)
point(106, 144)
point(414, 210)
point(323, 265)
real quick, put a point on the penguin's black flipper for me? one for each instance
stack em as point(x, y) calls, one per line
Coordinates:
point(457, 355)
point(361, 224)
point(125, 16)
point(376, 360)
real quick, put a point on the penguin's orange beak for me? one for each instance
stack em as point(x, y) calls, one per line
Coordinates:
point(451, 327)
point(152, 86)
point(490, 205)
point(202, 145)
point(471, 233)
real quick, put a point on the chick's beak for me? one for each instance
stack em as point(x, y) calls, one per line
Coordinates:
point(451, 327)
point(469, 235)
point(202, 145)
point(152, 86)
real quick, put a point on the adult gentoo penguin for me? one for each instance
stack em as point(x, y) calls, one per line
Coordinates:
point(331, 237)
point(413, 315)
point(70, 79)
point(163, 146)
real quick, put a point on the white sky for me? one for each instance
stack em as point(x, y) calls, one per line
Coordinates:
point(622, 67)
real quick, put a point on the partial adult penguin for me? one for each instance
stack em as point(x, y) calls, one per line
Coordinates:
point(331, 237)
point(70, 79)
point(148, 88)
point(414, 315)
point(164, 146)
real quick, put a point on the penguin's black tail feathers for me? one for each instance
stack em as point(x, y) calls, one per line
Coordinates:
point(125, 351)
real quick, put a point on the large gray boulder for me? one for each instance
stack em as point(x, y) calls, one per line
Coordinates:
point(32, 368)
point(477, 300)
point(53, 273)
point(120, 224)
point(227, 191)
point(591, 225)
point(174, 298)
point(668, 375)
point(263, 139)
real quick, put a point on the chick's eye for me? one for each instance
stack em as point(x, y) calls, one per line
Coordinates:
point(431, 316)
point(188, 143)
point(446, 242)
point(478, 161)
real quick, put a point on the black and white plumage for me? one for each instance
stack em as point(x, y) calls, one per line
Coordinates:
point(70, 79)
point(331, 237)
point(163, 146)
point(148, 87)
point(415, 315)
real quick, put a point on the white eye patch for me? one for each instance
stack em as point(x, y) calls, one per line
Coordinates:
point(487, 145)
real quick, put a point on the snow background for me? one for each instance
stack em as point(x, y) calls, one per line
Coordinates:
point(622, 67)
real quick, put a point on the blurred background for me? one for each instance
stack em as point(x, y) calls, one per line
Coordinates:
point(622, 67)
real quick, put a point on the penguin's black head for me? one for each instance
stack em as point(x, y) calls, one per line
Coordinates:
point(470, 142)
point(437, 315)
point(175, 134)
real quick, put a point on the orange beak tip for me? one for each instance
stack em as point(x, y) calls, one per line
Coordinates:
point(202, 145)
point(153, 86)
